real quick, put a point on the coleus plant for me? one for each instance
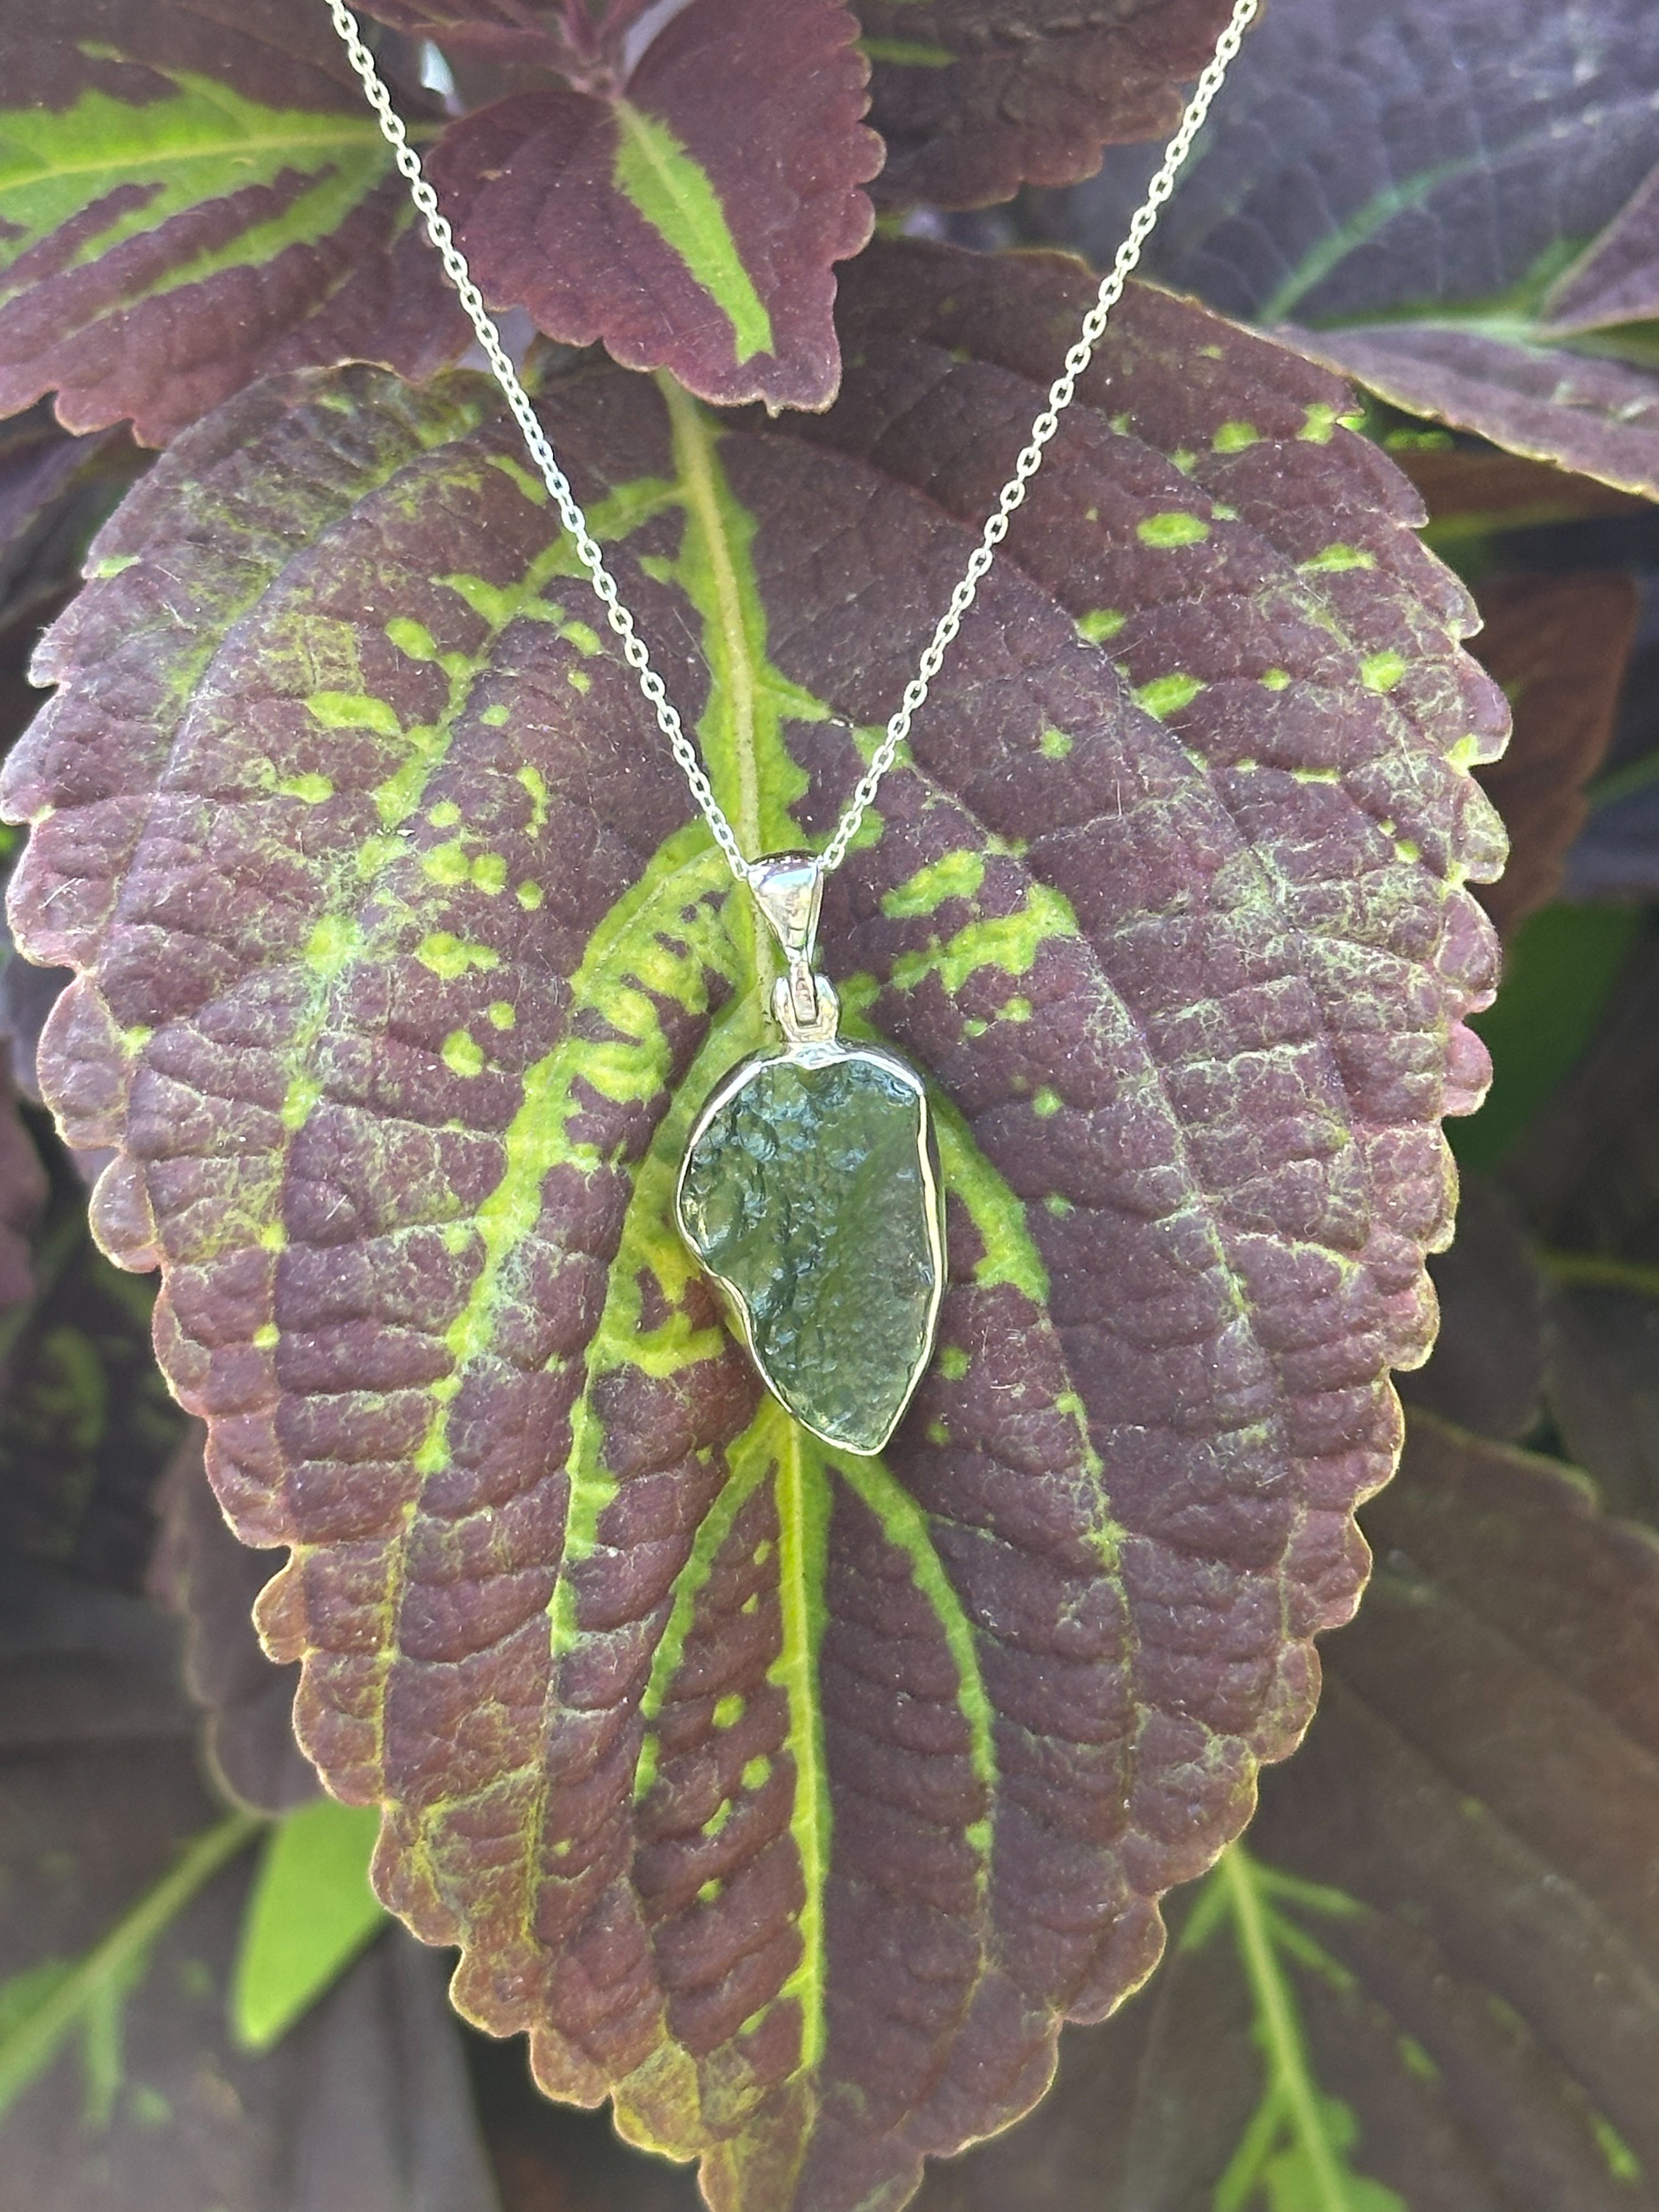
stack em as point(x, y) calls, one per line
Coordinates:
point(792, 1802)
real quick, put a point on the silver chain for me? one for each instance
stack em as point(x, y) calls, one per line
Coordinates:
point(1061, 392)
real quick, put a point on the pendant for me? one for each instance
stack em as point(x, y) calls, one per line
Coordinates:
point(810, 1194)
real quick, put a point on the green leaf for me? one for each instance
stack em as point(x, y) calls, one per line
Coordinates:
point(790, 1800)
point(149, 2103)
point(309, 1913)
point(187, 199)
point(674, 195)
point(1295, 2149)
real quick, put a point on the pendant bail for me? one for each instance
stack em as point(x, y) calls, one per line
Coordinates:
point(789, 889)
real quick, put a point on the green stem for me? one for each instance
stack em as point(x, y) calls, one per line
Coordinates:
point(694, 459)
point(1595, 1271)
point(50, 1257)
point(1287, 2063)
point(35, 2042)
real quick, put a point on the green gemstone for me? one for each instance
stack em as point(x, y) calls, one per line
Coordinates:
point(809, 1194)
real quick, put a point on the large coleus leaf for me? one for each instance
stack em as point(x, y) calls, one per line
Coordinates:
point(685, 198)
point(974, 98)
point(192, 191)
point(1407, 178)
point(1373, 156)
point(1433, 1983)
point(792, 1800)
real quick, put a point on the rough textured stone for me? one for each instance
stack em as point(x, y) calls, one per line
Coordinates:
point(809, 1198)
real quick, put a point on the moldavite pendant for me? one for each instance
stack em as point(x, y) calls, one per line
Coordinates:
point(810, 1194)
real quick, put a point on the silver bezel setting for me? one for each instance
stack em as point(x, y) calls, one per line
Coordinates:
point(829, 1053)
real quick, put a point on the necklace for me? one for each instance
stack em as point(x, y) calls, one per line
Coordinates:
point(810, 1190)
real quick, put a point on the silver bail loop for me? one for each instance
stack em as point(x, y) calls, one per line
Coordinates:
point(789, 889)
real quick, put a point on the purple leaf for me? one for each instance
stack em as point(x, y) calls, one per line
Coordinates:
point(86, 1424)
point(1596, 416)
point(1375, 156)
point(1588, 1177)
point(365, 2104)
point(1451, 1946)
point(198, 194)
point(1560, 646)
point(691, 215)
point(1617, 279)
point(791, 1800)
point(1488, 1370)
point(201, 1571)
point(22, 1196)
point(975, 98)
point(539, 33)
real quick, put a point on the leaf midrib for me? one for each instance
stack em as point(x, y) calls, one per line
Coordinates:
point(796, 1671)
point(694, 452)
point(346, 135)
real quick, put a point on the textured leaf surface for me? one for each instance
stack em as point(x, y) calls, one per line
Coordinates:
point(792, 1800)
point(1597, 416)
point(1453, 1885)
point(691, 217)
point(976, 98)
point(1375, 156)
point(1408, 178)
point(192, 191)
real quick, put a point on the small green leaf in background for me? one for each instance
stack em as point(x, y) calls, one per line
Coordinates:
point(42, 2006)
point(1559, 972)
point(1298, 2144)
point(311, 1910)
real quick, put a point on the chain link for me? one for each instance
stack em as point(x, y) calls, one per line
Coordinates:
point(1061, 392)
